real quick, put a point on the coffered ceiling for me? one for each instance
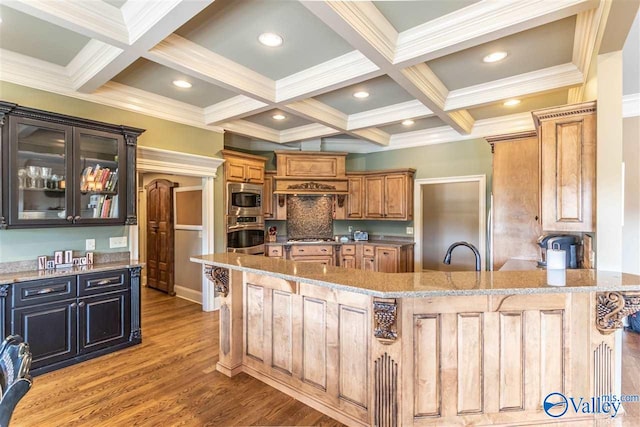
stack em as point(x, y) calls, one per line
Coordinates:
point(420, 62)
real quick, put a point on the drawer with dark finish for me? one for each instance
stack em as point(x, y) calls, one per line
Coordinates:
point(44, 291)
point(104, 281)
point(303, 250)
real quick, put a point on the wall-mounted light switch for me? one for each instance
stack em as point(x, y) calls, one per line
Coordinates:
point(90, 244)
point(409, 230)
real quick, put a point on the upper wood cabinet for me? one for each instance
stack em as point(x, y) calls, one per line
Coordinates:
point(267, 196)
point(65, 171)
point(567, 137)
point(516, 197)
point(243, 167)
point(305, 164)
point(389, 195)
point(354, 199)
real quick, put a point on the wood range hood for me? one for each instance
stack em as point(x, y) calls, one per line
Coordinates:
point(310, 173)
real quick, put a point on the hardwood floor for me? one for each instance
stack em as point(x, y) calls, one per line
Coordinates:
point(170, 380)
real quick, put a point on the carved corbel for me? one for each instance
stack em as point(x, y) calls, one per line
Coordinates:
point(281, 200)
point(385, 315)
point(612, 307)
point(220, 278)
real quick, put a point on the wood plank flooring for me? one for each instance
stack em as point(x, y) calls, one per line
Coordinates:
point(170, 380)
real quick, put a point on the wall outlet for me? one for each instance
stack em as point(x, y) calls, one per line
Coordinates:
point(118, 242)
point(90, 244)
point(350, 228)
point(409, 230)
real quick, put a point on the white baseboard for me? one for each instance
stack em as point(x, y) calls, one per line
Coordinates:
point(188, 294)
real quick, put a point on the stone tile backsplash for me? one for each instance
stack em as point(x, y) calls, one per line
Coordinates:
point(310, 217)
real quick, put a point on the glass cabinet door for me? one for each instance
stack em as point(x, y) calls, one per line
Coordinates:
point(39, 172)
point(99, 176)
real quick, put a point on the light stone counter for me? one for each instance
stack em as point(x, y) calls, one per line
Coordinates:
point(7, 278)
point(430, 284)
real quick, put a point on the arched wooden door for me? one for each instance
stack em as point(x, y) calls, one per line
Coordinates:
point(160, 235)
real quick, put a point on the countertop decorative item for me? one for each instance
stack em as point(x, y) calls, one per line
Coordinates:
point(272, 234)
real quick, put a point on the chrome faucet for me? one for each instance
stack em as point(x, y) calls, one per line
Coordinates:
point(447, 257)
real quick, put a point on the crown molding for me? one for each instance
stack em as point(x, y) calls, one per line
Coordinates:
point(479, 23)
point(524, 84)
point(140, 17)
point(345, 70)
point(94, 57)
point(93, 19)
point(190, 58)
point(180, 163)
point(312, 109)
point(370, 23)
point(235, 108)
point(375, 135)
point(300, 133)
point(254, 130)
point(506, 124)
point(387, 115)
point(631, 105)
point(585, 36)
point(27, 71)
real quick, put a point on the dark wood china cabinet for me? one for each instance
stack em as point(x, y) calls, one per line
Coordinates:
point(64, 171)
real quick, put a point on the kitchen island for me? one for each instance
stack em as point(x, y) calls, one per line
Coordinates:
point(457, 348)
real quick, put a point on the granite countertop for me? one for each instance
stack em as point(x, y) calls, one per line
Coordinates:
point(350, 242)
point(427, 284)
point(24, 276)
point(520, 265)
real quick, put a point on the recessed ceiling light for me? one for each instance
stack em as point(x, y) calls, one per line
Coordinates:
point(495, 57)
point(361, 94)
point(408, 122)
point(270, 39)
point(279, 117)
point(511, 102)
point(182, 83)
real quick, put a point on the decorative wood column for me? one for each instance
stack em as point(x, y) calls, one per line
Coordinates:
point(386, 371)
point(612, 307)
point(134, 284)
point(228, 283)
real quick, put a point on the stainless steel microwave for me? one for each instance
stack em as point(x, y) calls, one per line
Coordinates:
point(244, 199)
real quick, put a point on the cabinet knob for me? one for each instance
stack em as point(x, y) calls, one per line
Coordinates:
point(81, 304)
point(73, 305)
point(77, 218)
point(324, 250)
point(301, 250)
point(385, 253)
point(70, 218)
point(537, 217)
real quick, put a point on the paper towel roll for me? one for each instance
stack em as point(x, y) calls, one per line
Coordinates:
point(556, 259)
point(556, 277)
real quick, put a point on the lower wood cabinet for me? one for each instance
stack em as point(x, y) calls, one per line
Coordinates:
point(72, 318)
point(387, 259)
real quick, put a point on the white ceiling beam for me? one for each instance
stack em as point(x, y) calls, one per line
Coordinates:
point(148, 23)
point(319, 112)
point(253, 130)
point(94, 19)
point(314, 130)
point(480, 23)
point(336, 73)
point(388, 115)
point(190, 58)
point(419, 81)
point(235, 108)
point(376, 135)
point(31, 72)
point(539, 81)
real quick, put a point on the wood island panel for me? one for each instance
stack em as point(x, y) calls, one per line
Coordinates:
point(447, 360)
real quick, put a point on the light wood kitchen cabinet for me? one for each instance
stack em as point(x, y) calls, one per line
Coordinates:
point(267, 196)
point(389, 195)
point(347, 256)
point(275, 251)
point(243, 167)
point(321, 254)
point(387, 259)
point(567, 138)
point(368, 264)
point(354, 199)
point(516, 197)
point(301, 164)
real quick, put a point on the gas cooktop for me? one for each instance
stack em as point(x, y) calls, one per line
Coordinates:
point(309, 240)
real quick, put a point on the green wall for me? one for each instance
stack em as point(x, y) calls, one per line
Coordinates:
point(28, 244)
